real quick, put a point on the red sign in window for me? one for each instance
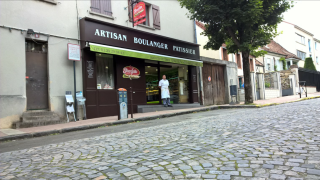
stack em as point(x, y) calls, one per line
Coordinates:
point(139, 12)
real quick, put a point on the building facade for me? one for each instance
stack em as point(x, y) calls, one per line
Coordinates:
point(300, 42)
point(36, 73)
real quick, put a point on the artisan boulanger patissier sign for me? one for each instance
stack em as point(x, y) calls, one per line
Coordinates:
point(113, 35)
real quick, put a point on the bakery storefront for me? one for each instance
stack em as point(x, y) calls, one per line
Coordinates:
point(115, 57)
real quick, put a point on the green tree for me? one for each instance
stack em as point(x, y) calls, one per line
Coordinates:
point(244, 25)
point(308, 64)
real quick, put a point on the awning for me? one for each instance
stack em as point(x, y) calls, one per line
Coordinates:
point(142, 55)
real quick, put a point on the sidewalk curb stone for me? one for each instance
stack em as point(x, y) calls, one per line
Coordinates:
point(92, 126)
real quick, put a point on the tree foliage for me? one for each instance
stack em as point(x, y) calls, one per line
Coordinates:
point(243, 25)
point(308, 64)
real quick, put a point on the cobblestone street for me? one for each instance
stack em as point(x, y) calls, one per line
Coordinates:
point(277, 142)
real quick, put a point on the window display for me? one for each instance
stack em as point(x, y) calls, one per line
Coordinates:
point(105, 71)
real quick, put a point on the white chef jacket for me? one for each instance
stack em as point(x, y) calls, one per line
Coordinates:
point(164, 88)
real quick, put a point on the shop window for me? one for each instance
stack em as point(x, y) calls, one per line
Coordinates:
point(105, 71)
point(101, 6)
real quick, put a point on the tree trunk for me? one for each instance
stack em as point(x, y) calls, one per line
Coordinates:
point(247, 78)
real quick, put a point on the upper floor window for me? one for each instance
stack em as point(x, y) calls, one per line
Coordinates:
point(301, 55)
point(225, 54)
point(239, 61)
point(101, 6)
point(315, 45)
point(300, 39)
point(309, 44)
point(155, 14)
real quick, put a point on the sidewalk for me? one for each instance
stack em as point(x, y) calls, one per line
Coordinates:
point(12, 134)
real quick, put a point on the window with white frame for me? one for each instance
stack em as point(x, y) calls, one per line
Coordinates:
point(317, 60)
point(315, 45)
point(280, 67)
point(268, 66)
point(300, 39)
point(301, 55)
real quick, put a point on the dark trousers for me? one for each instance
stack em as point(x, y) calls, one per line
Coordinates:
point(166, 101)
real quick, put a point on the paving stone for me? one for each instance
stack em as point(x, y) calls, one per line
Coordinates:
point(223, 176)
point(193, 176)
point(215, 172)
point(298, 169)
point(243, 173)
point(268, 166)
point(130, 173)
point(313, 171)
point(227, 168)
point(310, 166)
point(176, 173)
point(206, 165)
point(233, 173)
point(277, 176)
point(290, 173)
point(296, 160)
point(208, 176)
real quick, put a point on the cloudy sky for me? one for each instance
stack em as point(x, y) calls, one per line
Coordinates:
point(305, 14)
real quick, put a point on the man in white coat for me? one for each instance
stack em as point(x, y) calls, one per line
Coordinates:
point(165, 95)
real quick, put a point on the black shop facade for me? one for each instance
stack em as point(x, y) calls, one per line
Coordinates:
point(116, 57)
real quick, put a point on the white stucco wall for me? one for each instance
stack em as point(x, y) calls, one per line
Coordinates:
point(272, 93)
point(288, 39)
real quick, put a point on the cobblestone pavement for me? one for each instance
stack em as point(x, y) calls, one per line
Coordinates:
point(278, 142)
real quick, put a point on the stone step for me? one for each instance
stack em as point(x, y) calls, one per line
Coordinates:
point(38, 118)
point(53, 117)
point(18, 125)
point(154, 108)
point(37, 113)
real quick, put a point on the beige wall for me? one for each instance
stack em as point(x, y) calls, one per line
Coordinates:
point(202, 40)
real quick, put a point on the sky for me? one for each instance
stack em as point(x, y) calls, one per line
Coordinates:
point(305, 14)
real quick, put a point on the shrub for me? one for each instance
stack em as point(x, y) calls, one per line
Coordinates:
point(308, 64)
point(267, 84)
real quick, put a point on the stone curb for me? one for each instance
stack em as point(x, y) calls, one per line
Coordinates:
point(92, 126)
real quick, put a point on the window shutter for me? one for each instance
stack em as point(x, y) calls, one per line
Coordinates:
point(95, 6)
point(156, 16)
point(106, 7)
point(130, 9)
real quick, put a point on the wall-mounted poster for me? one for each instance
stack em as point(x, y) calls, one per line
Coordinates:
point(74, 52)
point(131, 72)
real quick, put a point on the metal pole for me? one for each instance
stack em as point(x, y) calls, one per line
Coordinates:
point(75, 90)
point(132, 13)
point(131, 103)
point(118, 104)
point(305, 85)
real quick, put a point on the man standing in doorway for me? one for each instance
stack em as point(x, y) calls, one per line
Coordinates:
point(165, 95)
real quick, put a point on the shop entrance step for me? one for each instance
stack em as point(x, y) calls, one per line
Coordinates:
point(154, 108)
